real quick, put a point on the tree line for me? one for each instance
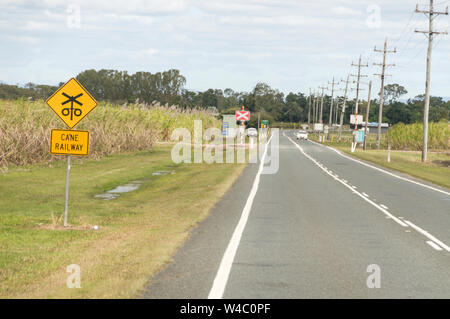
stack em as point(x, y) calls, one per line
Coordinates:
point(271, 104)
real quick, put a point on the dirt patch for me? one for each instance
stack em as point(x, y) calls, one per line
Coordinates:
point(442, 163)
point(70, 227)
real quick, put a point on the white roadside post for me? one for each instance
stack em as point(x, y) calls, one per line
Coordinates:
point(389, 152)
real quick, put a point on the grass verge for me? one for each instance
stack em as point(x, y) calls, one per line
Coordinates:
point(435, 170)
point(138, 232)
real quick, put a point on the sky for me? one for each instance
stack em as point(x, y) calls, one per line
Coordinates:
point(292, 45)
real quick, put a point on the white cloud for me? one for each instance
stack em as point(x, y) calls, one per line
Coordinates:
point(345, 11)
point(267, 40)
point(145, 54)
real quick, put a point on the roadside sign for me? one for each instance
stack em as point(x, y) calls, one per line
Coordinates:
point(225, 127)
point(71, 102)
point(356, 119)
point(229, 127)
point(359, 138)
point(318, 127)
point(243, 116)
point(68, 142)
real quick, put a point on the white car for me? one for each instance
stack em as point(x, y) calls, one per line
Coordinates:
point(302, 135)
point(252, 132)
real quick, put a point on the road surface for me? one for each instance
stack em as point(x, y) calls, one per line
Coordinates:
point(323, 226)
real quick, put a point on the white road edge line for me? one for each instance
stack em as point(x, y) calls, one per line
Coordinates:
point(428, 235)
point(221, 279)
point(432, 244)
point(398, 221)
point(382, 170)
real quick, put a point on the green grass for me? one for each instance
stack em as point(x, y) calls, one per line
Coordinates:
point(435, 170)
point(139, 231)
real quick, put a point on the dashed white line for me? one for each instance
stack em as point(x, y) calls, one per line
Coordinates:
point(428, 235)
point(221, 279)
point(366, 195)
point(352, 188)
point(432, 244)
point(382, 170)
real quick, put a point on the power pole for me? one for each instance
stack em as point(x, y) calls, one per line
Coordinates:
point(367, 116)
point(341, 123)
point(382, 75)
point(332, 96)
point(358, 76)
point(336, 110)
point(309, 107)
point(321, 104)
point(314, 107)
point(430, 33)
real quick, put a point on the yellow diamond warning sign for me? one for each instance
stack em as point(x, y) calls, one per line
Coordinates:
point(71, 102)
point(68, 142)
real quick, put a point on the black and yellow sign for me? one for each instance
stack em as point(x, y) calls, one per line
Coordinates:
point(71, 102)
point(68, 142)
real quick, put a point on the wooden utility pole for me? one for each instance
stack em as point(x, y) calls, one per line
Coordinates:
point(430, 33)
point(321, 104)
point(336, 111)
point(382, 76)
point(358, 81)
point(367, 116)
point(309, 107)
point(341, 123)
point(314, 107)
point(331, 107)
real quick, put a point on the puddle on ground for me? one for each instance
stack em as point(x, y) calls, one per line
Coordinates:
point(163, 172)
point(114, 193)
point(132, 186)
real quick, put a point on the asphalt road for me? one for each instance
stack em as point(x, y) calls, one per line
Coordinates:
point(318, 228)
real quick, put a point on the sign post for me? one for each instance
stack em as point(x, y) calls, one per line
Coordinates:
point(71, 102)
point(66, 201)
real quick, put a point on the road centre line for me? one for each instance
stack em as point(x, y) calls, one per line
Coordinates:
point(428, 235)
point(398, 221)
point(223, 273)
point(382, 170)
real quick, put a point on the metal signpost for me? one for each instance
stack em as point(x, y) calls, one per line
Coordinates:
point(71, 102)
